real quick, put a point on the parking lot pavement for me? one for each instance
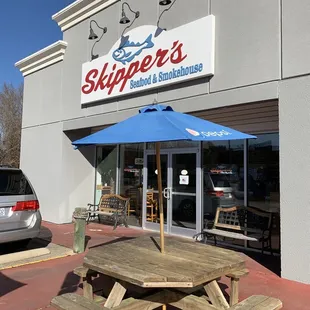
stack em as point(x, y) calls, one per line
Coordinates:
point(32, 286)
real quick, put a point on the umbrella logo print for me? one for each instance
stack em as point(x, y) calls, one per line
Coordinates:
point(193, 132)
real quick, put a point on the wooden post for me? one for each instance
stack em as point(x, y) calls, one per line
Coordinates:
point(160, 198)
point(79, 217)
point(234, 292)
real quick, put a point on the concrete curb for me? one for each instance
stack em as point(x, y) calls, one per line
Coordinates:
point(16, 265)
point(8, 258)
point(54, 251)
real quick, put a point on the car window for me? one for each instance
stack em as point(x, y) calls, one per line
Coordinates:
point(13, 182)
point(220, 180)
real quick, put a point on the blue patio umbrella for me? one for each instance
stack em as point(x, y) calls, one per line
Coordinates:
point(158, 123)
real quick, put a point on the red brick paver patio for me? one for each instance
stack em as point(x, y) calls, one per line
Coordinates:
point(31, 287)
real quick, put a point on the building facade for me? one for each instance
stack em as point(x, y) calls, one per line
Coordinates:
point(255, 79)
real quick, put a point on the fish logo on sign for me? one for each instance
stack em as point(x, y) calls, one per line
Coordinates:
point(128, 51)
point(193, 132)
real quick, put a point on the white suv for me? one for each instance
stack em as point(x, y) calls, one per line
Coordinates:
point(20, 218)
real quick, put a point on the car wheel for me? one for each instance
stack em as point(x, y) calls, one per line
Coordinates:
point(188, 209)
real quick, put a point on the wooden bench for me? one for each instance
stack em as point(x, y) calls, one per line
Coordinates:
point(111, 207)
point(77, 302)
point(258, 302)
point(243, 223)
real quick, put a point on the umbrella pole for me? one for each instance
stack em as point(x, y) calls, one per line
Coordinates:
point(160, 198)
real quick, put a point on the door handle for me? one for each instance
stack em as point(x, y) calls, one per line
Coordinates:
point(167, 193)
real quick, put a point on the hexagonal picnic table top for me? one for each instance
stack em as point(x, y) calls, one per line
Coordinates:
point(185, 263)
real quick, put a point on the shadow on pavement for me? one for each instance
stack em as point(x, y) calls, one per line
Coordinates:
point(87, 239)
point(120, 239)
point(273, 263)
point(45, 236)
point(42, 241)
point(8, 285)
point(70, 284)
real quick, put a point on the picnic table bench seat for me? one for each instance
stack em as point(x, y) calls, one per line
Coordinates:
point(258, 302)
point(111, 207)
point(243, 223)
point(71, 301)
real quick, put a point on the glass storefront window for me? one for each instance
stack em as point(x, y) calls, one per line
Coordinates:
point(264, 180)
point(223, 164)
point(223, 175)
point(223, 171)
point(131, 179)
point(173, 145)
point(263, 174)
point(106, 166)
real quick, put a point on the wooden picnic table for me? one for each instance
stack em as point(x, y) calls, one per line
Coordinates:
point(185, 267)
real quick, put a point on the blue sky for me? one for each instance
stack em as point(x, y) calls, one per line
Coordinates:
point(26, 26)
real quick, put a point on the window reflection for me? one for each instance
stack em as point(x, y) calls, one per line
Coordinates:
point(263, 189)
point(223, 164)
point(223, 175)
point(152, 212)
point(106, 171)
point(130, 180)
point(264, 181)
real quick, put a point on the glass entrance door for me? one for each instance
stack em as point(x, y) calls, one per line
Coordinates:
point(183, 193)
point(181, 188)
point(151, 208)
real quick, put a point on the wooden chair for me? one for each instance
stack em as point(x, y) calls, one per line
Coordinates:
point(135, 201)
point(151, 207)
point(105, 190)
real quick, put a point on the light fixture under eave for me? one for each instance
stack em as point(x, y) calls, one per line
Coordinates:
point(124, 19)
point(93, 36)
point(124, 40)
point(164, 2)
point(159, 29)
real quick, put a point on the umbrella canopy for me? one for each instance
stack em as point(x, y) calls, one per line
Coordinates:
point(158, 123)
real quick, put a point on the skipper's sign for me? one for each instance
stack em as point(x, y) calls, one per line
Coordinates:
point(147, 59)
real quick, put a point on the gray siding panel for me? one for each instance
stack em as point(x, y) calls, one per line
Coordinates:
point(247, 42)
point(296, 37)
point(295, 178)
point(42, 96)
